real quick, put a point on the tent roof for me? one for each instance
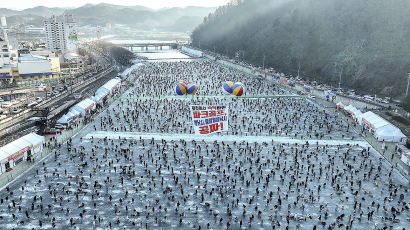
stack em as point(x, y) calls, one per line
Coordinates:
point(101, 94)
point(111, 84)
point(63, 119)
point(85, 103)
point(127, 71)
point(9, 149)
point(13, 147)
point(353, 110)
point(375, 119)
point(349, 108)
point(101, 90)
point(3, 155)
point(357, 112)
point(389, 131)
point(33, 138)
point(73, 113)
point(21, 143)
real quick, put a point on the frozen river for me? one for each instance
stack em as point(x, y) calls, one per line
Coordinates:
point(285, 163)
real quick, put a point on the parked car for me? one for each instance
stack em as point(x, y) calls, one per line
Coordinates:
point(77, 95)
point(60, 126)
point(32, 104)
point(51, 131)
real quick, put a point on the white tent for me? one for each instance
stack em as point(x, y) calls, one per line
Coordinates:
point(373, 121)
point(63, 120)
point(340, 105)
point(14, 150)
point(126, 72)
point(17, 150)
point(35, 140)
point(100, 94)
point(22, 147)
point(69, 117)
point(405, 157)
point(383, 130)
point(112, 84)
point(389, 133)
point(353, 111)
point(349, 108)
point(84, 106)
point(73, 114)
point(357, 113)
point(3, 156)
point(192, 52)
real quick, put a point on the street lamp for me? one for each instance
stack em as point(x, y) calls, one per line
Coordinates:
point(340, 77)
point(263, 64)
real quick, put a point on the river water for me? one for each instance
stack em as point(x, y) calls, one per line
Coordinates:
point(166, 54)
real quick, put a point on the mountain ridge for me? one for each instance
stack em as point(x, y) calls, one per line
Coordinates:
point(364, 41)
point(137, 17)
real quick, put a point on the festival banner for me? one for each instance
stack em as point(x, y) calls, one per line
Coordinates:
point(208, 119)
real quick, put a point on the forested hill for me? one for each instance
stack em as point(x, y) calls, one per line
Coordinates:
point(368, 40)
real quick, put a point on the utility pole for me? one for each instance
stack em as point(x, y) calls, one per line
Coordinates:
point(263, 65)
point(408, 81)
point(71, 77)
point(340, 77)
point(298, 68)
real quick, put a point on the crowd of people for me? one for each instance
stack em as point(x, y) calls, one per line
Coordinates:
point(149, 105)
point(153, 183)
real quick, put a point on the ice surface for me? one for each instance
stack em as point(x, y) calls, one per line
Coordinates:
point(140, 165)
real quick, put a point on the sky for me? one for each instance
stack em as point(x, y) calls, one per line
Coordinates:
point(155, 4)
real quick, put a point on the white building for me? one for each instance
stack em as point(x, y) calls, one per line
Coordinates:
point(60, 35)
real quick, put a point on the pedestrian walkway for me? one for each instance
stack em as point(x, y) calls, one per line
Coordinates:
point(190, 97)
point(388, 154)
point(225, 138)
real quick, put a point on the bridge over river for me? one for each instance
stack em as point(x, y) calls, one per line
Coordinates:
point(144, 45)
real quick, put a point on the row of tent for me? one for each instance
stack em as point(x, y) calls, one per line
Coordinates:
point(381, 129)
point(281, 80)
point(24, 148)
point(86, 106)
point(124, 75)
point(191, 52)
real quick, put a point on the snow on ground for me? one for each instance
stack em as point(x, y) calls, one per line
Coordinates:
point(137, 165)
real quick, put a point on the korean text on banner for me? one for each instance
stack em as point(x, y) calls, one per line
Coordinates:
point(209, 119)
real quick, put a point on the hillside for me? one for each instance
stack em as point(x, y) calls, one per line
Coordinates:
point(366, 40)
point(137, 17)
